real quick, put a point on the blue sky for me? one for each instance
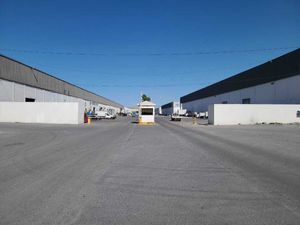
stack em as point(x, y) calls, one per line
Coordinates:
point(148, 46)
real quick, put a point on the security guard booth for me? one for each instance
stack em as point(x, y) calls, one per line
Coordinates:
point(146, 113)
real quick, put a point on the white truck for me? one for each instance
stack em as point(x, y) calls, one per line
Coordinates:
point(175, 117)
point(104, 115)
point(181, 112)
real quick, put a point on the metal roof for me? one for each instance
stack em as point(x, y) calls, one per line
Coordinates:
point(285, 66)
point(13, 70)
point(146, 103)
point(168, 105)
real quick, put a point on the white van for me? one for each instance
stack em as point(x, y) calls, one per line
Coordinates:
point(104, 115)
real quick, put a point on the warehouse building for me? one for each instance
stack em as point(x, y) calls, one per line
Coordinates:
point(274, 82)
point(170, 108)
point(23, 83)
point(158, 111)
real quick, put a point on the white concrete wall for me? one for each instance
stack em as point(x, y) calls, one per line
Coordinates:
point(147, 119)
point(42, 112)
point(231, 114)
point(284, 91)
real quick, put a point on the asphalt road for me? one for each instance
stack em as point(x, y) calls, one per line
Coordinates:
point(116, 172)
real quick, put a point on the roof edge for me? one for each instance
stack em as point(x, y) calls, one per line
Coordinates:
point(38, 70)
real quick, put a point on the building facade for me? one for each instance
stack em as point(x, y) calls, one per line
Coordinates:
point(274, 82)
point(158, 111)
point(22, 83)
point(170, 108)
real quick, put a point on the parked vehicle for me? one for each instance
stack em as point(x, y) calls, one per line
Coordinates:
point(109, 116)
point(123, 114)
point(135, 117)
point(181, 112)
point(104, 115)
point(195, 114)
point(91, 114)
point(100, 114)
point(189, 114)
point(175, 117)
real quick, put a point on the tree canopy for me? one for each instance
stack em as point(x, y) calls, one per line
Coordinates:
point(145, 98)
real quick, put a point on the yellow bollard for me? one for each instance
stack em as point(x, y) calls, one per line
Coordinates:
point(89, 120)
point(194, 120)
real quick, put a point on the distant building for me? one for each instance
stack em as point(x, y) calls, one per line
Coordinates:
point(274, 82)
point(132, 110)
point(170, 108)
point(158, 111)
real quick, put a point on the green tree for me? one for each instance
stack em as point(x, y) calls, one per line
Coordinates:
point(145, 98)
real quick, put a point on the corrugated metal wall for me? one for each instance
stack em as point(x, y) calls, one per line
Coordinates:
point(285, 66)
point(15, 71)
point(284, 91)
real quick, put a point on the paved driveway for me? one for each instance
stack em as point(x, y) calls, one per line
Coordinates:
point(116, 172)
